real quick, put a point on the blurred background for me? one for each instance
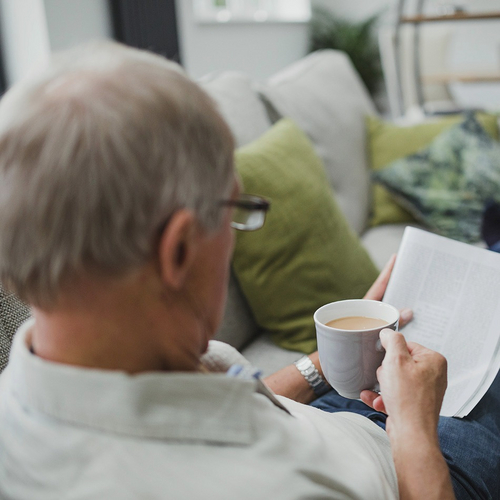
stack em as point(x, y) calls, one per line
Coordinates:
point(433, 56)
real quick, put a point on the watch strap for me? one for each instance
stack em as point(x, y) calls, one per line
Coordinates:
point(318, 384)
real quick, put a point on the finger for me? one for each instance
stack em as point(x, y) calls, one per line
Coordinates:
point(405, 316)
point(377, 290)
point(378, 405)
point(368, 397)
point(394, 343)
point(373, 400)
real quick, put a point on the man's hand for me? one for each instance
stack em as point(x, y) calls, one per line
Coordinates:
point(377, 290)
point(412, 379)
point(413, 382)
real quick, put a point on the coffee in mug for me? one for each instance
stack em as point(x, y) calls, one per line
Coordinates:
point(356, 323)
point(350, 355)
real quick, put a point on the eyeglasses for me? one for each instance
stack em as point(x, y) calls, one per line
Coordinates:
point(249, 211)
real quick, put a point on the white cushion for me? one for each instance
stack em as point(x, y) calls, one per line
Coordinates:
point(239, 105)
point(246, 115)
point(324, 95)
point(238, 326)
point(263, 353)
point(383, 241)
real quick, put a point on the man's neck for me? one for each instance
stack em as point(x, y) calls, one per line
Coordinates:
point(116, 328)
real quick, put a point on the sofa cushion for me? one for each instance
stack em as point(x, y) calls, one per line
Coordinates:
point(263, 353)
point(324, 95)
point(246, 116)
point(389, 142)
point(306, 255)
point(238, 326)
point(239, 104)
point(382, 242)
point(447, 184)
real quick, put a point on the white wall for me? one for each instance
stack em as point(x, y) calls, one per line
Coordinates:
point(259, 49)
point(71, 22)
point(32, 29)
point(25, 37)
point(476, 47)
point(35, 28)
point(262, 49)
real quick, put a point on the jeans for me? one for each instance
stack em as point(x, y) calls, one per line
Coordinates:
point(470, 445)
point(495, 247)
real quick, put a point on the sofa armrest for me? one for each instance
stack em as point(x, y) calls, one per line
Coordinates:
point(13, 313)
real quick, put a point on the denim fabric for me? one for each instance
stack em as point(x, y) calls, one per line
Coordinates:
point(333, 402)
point(495, 247)
point(470, 445)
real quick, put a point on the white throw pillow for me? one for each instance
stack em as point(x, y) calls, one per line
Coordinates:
point(239, 104)
point(324, 95)
point(246, 115)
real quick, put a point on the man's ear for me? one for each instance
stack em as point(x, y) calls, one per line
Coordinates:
point(177, 248)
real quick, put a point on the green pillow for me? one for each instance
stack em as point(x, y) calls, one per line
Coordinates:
point(447, 184)
point(306, 255)
point(389, 142)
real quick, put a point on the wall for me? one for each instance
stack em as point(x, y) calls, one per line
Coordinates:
point(476, 47)
point(71, 22)
point(32, 29)
point(25, 37)
point(259, 49)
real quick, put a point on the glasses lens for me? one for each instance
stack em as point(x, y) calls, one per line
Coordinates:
point(249, 211)
point(248, 220)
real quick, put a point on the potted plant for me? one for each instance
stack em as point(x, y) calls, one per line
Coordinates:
point(356, 39)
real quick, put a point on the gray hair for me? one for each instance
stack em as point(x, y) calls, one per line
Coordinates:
point(95, 154)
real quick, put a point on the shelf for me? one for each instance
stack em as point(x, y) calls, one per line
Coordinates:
point(414, 13)
point(477, 77)
point(459, 16)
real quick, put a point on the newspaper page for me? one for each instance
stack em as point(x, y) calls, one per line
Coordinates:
point(454, 291)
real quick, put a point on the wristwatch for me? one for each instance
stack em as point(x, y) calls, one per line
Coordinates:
point(318, 384)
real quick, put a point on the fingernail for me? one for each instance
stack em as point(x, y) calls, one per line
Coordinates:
point(385, 332)
point(406, 314)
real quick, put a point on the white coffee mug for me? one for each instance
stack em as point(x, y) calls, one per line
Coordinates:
point(350, 358)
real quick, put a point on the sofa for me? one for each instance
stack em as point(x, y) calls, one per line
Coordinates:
point(325, 97)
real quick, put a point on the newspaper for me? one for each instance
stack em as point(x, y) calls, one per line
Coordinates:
point(454, 291)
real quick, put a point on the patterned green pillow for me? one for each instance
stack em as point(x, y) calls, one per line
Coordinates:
point(447, 184)
point(388, 142)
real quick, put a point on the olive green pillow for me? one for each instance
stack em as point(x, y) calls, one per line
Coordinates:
point(389, 142)
point(306, 255)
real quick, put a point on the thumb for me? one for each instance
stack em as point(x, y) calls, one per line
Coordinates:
point(393, 342)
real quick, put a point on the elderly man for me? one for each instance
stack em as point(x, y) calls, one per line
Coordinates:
point(117, 201)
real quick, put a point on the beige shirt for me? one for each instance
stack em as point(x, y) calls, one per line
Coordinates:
point(72, 433)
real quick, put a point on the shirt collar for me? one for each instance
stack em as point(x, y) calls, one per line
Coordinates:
point(187, 406)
